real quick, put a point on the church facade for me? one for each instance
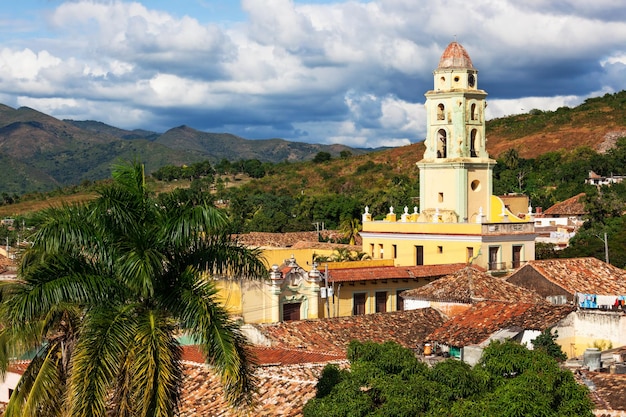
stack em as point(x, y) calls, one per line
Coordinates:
point(458, 219)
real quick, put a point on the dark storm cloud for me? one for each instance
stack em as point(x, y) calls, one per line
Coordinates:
point(344, 72)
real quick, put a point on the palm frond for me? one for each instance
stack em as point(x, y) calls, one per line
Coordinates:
point(105, 339)
point(157, 372)
point(41, 388)
point(220, 339)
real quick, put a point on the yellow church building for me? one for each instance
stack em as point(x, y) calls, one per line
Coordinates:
point(458, 220)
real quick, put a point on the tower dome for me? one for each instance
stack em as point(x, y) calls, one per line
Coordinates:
point(455, 56)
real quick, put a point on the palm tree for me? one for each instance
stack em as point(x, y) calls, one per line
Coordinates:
point(350, 229)
point(105, 290)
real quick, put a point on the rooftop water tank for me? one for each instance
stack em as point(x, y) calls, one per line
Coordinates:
point(591, 359)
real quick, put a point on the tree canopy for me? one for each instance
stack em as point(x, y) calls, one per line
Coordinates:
point(388, 380)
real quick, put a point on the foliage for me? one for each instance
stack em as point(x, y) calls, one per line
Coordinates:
point(547, 341)
point(322, 157)
point(388, 380)
point(105, 289)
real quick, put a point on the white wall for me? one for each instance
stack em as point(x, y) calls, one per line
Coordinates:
point(10, 382)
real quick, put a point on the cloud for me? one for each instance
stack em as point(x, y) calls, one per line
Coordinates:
point(349, 72)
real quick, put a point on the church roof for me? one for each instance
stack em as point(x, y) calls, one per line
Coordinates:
point(455, 56)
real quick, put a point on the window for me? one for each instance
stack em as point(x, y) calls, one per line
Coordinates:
point(441, 112)
point(394, 251)
point(473, 113)
point(381, 251)
point(442, 144)
point(381, 301)
point(372, 250)
point(473, 152)
point(470, 253)
point(439, 249)
point(291, 311)
point(358, 303)
point(419, 255)
point(399, 300)
point(440, 197)
point(517, 256)
point(493, 259)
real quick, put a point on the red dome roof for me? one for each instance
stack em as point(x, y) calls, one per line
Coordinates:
point(455, 56)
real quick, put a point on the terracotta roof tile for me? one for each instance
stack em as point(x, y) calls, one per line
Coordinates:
point(572, 206)
point(271, 355)
point(332, 336)
point(470, 285)
point(475, 325)
point(281, 391)
point(393, 272)
point(295, 239)
point(583, 275)
point(608, 392)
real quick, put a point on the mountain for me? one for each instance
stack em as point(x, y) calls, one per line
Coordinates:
point(226, 146)
point(39, 153)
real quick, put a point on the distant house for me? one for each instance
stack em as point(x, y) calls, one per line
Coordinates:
point(569, 281)
point(467, 334)
point(456, 293)
point(559, 223)
point(598, 180)
point(595, 288)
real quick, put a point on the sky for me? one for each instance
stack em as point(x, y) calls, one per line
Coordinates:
point(350, 72)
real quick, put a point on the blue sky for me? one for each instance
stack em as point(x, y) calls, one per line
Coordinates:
point(351, 72)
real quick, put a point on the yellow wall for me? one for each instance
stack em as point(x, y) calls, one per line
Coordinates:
point(303, 256)
point(343, 301)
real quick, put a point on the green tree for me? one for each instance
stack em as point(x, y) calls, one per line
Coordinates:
point(103, 292)
point(350, 228)
point(388, 380)
point(322, 157)
point(547, 341)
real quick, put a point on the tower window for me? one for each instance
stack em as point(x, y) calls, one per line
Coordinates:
point(442, 144)
point(439, 249)
point(473, 113)
point(473, 152)
point(441, 112)
point(440, 197)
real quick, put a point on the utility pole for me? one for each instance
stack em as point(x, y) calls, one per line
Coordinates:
point(606, 248)
point(327, 289)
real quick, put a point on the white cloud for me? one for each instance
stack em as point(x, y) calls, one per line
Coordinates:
point(25, 64)
point(353, 72)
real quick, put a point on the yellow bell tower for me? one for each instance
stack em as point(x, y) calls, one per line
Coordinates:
point(456, 172)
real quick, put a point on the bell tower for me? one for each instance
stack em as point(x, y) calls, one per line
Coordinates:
point(456, 172)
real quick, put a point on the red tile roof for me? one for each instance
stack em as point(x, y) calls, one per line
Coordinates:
point(583, 275)
point(608, 392)
point(470, 285)
point(332, 336)
point(572, 206)
point(295, 239)
point(281, 391)
point(393, 272)
point(485, 318)
point(271, 355)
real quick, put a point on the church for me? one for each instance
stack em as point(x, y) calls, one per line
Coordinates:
point(458, 219)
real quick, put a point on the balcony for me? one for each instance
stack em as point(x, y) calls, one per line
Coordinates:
point(508, 228)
